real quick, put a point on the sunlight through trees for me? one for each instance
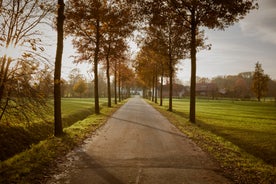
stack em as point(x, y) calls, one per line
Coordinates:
point(21, 59)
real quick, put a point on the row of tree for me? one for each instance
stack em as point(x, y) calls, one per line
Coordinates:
point(100, 28)
point(78, 85)
point(246, 85)
point(243, 86)
point(174, 32)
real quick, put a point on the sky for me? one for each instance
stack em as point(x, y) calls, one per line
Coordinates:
point(239, 47)
point(236, 49)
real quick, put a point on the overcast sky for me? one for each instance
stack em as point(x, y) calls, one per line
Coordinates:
point(239, 47)
point(235, 50)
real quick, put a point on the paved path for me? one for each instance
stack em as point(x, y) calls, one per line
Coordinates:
point(138, 145)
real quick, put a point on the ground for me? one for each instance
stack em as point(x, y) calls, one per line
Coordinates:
point(138, 145)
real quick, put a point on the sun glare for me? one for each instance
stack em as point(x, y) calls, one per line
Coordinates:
point(11, 51)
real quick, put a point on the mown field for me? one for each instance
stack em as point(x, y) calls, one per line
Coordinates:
point(15, 138)
point(74, 109)
point(248, 124)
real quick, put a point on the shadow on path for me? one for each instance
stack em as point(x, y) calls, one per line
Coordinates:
point(98, 169)
point(147, 126)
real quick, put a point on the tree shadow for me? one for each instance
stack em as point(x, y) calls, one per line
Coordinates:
point(98, 168)
point(147, 126)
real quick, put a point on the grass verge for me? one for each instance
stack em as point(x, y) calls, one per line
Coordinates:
point(32, 165)
point(15, 138)
point(251, 125)
point(236, 164)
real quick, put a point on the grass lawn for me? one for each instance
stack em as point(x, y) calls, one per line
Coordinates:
point(71, 105)
point(74, 109)
point(239, 135)
point(21, 136)
point(248, 124)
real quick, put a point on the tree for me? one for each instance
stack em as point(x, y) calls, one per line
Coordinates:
point(1, 2)
point(74, 76)
point(118, 26)
point(57, 75)
point(151, 65)
point(102, 84)
point(80, 87)
point(211, 14)
point(145, 67)
point(170, 41)
point(193, 15)
point(116, 66)
point(45, 82)
point(126, 79)
point(234, 86)
point(272, 89)
point(86, 22)
point(240, 87)
point(21, 94)
point(18, 29)
point(21, 56)
point(171, 37)
point(260, 82)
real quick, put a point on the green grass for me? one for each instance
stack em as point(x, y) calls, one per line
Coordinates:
point(36, 163)
point(248, 124)
point(74, 109)
point(239, 135)
point(16, 137)
point(71, 105)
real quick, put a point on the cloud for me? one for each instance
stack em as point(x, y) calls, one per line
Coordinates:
point(261, 23)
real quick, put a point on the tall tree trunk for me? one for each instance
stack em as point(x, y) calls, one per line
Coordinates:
point(1, 2)
point(145, 94)
point(128, 92)
point(171, 68)
point(161, 87)
point(122, 91)
point(96, 79)
point(6, 61)
point(57, 87)
point(108, 78)
point(156, 81)
point(115, 82)
point(171, 85)
point(193, 69)
point(108, 86)
point(5, 107)
point(153, 89)
point(2, 77)
point(119, 82)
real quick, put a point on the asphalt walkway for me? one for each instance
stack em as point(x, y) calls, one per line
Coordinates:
point(138, 145)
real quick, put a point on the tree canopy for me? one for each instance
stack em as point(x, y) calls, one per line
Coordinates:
point(194, 14)
point(260, 82)
point(22, 58)
point(98, 28)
